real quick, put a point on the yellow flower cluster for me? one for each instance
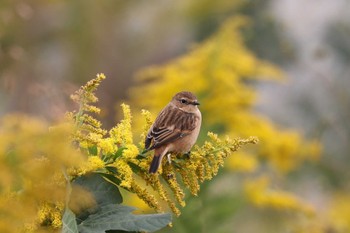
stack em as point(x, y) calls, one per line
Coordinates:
point(85, 95)
point(111, 154)
point(89, 130)
point(124, 173)
point(201, 165)
point(205, 161)
point(122, 132)
point(144, 195)
point(93, 163)
point(31, 159)
point(147, 123)
point(107, 145)
point(50, 214)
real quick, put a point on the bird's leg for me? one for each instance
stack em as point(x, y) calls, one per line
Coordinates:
point(169, 158)
point(170, 176)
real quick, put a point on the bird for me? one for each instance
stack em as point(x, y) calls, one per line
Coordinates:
point(175, 129)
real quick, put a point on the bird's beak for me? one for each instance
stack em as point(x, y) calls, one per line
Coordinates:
point(195, 103)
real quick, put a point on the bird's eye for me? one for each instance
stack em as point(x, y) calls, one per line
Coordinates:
point(183, 101)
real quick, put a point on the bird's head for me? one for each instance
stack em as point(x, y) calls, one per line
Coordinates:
point(186, 101)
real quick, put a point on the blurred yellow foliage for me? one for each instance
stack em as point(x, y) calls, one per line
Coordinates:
point(333, 216)
point(242, 162)
point(261, 195)
point(32, 158)
point(339, 213)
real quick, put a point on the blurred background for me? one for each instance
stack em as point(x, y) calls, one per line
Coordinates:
point(50, 48)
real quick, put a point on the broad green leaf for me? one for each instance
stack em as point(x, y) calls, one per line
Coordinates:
point(103, 191)
point(69, 224)
point(118, 217)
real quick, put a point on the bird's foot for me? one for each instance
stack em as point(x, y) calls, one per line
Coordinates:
point(187, 154)
point(170, 176)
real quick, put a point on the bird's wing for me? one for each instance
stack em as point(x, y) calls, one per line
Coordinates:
point(170, 125)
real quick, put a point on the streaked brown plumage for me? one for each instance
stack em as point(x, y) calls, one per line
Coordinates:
point(175, 129)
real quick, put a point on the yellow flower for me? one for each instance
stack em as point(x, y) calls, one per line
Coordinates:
point(88, 129)
point(144, 195)
point(93, 163)
point(85, 94)
point(121, 133)
point(146, 125)
point(125, 174)
point(107, 146)
point(130, 152)
point(50, 214)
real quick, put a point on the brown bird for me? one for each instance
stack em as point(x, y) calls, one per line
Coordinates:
point(175, 129)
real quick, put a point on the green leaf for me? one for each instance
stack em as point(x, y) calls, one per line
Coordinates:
point(134, 167)
point(111, 178)
point(103, 191)
point(93, 150)
point(120, 231)
point(111, 169)
point(118, 153)
point(118, 217)
point(69, 224)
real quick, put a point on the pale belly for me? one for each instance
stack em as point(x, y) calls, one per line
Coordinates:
point(184, 145)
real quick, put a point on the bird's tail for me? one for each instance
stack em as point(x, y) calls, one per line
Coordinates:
point(157, 159)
